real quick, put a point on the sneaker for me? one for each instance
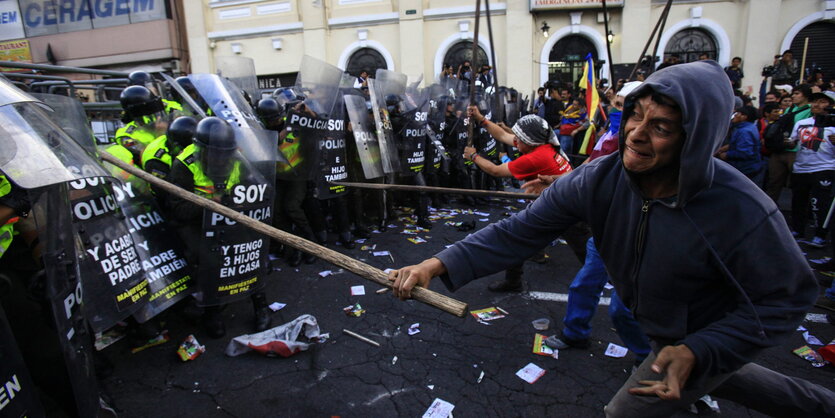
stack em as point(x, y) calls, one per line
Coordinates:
point(825, 303)
point(817, 242)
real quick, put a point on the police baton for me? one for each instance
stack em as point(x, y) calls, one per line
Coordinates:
point(359, 268)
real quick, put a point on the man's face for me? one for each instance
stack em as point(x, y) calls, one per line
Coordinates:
point(618, 102)
point(787, 57)
point(773, 115)
point(819, 106)
point(770, 97)
point(786, 102)
point(653, 137)
point(798, 98)
point(565, 95)
point(735, 63)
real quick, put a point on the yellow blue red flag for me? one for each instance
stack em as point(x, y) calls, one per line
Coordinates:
point(589, 83)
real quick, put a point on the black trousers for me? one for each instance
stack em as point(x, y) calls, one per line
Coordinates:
point(811, 195)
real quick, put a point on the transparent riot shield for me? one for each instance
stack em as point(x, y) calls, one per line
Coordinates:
point(333, 156)
point(386, 136)
point(111, 270)
point(36, 151)
point(62, 256)
point(257, 144)
point(161, 252)
point(411, 132)
point(311, 122)
point(233, 259)
point(367, 146)
point(21, 397)
point(69, 114)
point(241, 72)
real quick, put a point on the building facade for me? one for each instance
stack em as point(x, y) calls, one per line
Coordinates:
point(533, 40)
point(118, 35)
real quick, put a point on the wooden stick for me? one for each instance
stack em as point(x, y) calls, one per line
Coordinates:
point(803, 62)
point(472, 71)
point(359, 268)
point(431, 189)
point(360, 337)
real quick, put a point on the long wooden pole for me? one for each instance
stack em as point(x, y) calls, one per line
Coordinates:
point(803, 62)
point(649, 41)
point(608, 46)
point(359, 268)
point(432, 189)
point(472, 71)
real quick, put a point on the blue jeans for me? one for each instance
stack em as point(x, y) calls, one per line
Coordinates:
point(583, 296)
point(566, 143)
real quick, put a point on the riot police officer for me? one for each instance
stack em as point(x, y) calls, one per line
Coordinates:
point(209, 168)
point(157, 157)
point(144, 79)
point(145, 117)
point(410, 173)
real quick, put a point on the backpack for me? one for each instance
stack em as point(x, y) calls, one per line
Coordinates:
point(779, 131)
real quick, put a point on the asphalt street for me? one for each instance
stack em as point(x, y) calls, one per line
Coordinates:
point(446, 359)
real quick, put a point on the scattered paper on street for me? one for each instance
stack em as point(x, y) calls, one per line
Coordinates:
point(530, 373)
point(616, 351)
point(811, 339)
point(417, 240)
point(414, 328)
point(357, 290)
point(542, 349)
point(325, 273)
point(381, 253)
point(439, 409)
point(487, 314)
point(276, 306)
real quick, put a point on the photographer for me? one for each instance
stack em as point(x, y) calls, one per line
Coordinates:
point(786, 70)
point(465, 72)
point(814, 169)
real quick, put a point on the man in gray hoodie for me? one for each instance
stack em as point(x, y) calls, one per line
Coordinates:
point(703, 259)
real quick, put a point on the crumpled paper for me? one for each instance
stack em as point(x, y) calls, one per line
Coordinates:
point(279, 341)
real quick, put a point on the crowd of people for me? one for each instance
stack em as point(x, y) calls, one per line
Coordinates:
point(652, 165)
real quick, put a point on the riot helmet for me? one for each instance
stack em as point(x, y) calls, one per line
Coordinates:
point(139, 101)
point(188, 86)
point(180, 133)
point(216, 146)
point(392, 102)
point(270, 113)
point(144, 79)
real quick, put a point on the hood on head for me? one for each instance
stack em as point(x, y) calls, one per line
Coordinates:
point(702, 91)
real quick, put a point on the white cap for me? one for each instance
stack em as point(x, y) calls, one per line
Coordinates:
point(785, 87)
point(628, 87)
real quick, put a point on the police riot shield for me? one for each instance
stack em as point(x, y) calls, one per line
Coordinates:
point(36, 151)
point(367, 145)
point(233, 259)
point(333, 157)
point(386, 136)
point(161, 252)
point(111, 270)
point(241, 72)
point(21, 397)
point(255, 143)
point(62, 254)
point(411, 134)
point(310, 123)
point(69, 114)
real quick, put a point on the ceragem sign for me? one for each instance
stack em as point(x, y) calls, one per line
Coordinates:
point(44, 17)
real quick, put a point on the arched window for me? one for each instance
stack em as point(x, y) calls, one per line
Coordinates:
point(821, 44)
point(463, 51)
point(367, 59)
point(565, 62)
point(691, 43)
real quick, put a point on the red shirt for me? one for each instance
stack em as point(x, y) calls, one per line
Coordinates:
point(543, 160)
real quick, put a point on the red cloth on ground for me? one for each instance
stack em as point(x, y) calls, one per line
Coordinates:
point(543, 160)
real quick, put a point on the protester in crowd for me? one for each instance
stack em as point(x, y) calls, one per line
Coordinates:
point(553, 107)
point(362, 80)
point(813, 171)
point(539, 102)
point(781, 162)
point(786, 70)
point(743, 150)
point(668, 61)
point(709, 315)
point(571, 122)
point(734, 72)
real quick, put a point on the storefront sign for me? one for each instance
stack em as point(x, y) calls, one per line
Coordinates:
point(11, 26)
point(15, 51)
point(44, 17)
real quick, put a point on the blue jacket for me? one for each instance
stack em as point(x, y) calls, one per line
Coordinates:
point(714, 268)
point(744, 149)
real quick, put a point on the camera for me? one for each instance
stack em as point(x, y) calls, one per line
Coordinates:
point(768, 71)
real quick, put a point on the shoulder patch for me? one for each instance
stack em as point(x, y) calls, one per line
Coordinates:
point(160, 152)
point(189, 160)
point(130, 129)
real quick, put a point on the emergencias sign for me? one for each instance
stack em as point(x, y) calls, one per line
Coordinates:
point(572, 4)
point(45, 17)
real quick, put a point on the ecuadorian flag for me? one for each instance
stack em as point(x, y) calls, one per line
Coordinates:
point(588, 83)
